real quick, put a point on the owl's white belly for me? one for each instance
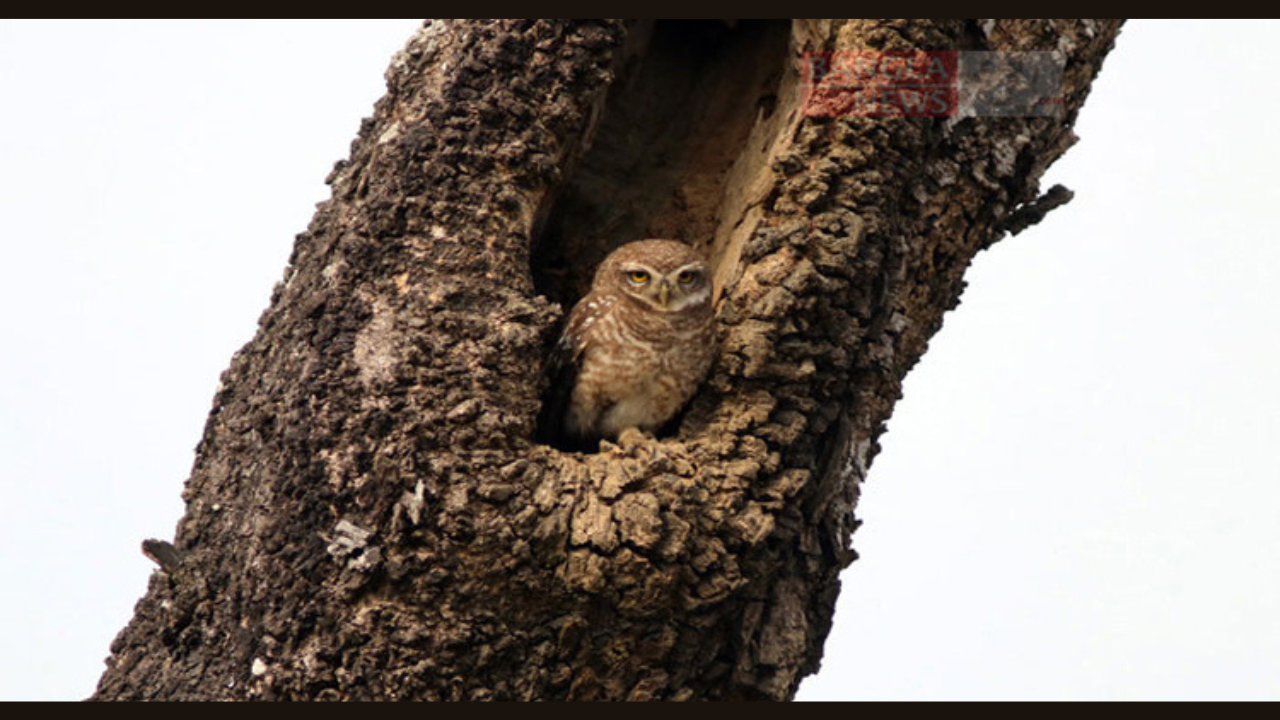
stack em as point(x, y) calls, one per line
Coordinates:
point(643, 409)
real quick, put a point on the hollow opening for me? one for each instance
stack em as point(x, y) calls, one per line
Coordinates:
point(671, 143)
point(682, 142)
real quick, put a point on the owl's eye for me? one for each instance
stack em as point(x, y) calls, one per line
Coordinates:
point(638, 277)
point(687, 277)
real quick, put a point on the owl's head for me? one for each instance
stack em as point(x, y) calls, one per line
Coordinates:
point(664, 275)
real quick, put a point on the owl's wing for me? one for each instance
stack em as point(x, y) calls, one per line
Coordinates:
point(559, 374)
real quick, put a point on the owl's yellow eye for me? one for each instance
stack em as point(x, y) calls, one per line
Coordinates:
point(687, 277)
point(639, 277)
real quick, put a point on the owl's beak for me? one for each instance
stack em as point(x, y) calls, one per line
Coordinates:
point(664, 294)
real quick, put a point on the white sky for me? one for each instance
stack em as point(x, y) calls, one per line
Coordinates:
point(1078, 498)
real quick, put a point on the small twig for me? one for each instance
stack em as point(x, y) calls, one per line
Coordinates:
point(1034, 211)
point(163, 554)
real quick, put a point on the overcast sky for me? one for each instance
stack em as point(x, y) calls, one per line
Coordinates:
point(1078, 498)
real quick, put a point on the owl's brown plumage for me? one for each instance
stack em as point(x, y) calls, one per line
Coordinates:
point(636, 347)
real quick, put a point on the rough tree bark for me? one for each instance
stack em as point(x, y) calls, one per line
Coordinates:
point(369, 516)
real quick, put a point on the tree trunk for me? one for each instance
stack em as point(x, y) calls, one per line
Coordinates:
point(369, 515)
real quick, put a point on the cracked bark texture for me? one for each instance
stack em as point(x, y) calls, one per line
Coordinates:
point(369, 516)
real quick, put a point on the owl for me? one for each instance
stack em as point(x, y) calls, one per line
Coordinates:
point(635, 348)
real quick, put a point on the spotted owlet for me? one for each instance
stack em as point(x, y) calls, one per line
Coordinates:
point(635, 347)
